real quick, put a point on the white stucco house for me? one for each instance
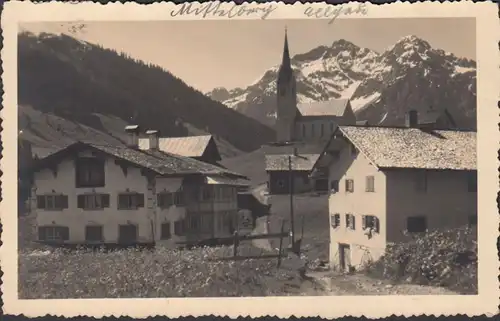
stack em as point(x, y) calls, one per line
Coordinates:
point(388, 181)
point(88, 193)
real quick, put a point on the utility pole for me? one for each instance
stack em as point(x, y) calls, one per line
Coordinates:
point(291, 185)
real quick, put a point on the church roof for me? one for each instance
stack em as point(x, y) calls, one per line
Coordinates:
point(334, 107)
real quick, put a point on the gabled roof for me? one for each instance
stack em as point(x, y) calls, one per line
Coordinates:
point(334, 107)
point(414, 148)
point(157, 161)
point(191, 146)
point(303, 162)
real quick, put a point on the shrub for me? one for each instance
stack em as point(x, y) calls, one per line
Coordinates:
point(443, 258)
point(147, 273)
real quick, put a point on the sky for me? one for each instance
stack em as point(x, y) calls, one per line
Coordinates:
point(235, 53)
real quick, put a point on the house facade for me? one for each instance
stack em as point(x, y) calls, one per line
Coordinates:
point(97, 194)
point(387, 182)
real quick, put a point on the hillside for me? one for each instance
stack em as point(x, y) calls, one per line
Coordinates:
point(382, 86)
point(70, 89)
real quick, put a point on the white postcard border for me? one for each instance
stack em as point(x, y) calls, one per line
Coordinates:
point(488, 85)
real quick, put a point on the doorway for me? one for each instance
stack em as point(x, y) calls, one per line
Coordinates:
point(127, 234)
point(344, 256)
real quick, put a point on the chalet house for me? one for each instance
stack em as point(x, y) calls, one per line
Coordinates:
point(88, 193)
point(387, 181)
point(202, 148)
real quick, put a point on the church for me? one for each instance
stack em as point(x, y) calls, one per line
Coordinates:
point(302, 131)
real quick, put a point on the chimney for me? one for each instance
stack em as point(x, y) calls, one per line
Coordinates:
point(412, 119)
point(133, 136)
point(153, 136)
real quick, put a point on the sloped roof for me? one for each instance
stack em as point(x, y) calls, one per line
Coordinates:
point(191, 146)
point(303, 162)
point(334, 107)
point(401, 147)
point(157, 161)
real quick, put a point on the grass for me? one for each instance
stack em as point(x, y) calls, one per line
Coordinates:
point(149, 273)
point(439, 258)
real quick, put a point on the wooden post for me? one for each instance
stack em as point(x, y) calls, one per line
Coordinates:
point(235, 244)
point(281, 242)
point(291, 186)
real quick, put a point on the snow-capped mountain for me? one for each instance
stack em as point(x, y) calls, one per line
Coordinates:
point(382, 86)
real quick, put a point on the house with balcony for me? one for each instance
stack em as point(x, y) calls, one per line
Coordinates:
point(91, 193)
point(390, 181)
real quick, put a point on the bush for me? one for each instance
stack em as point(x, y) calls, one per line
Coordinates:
point(147, 273)
point(441, 258)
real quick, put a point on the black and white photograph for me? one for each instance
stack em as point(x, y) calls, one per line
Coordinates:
point(242, 158)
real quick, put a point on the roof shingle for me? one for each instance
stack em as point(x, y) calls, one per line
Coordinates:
point(303, 162)
point(391, 147)
point(191, 146)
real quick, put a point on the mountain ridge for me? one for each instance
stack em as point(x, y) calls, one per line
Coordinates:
point(74, 80)
point(378, 83)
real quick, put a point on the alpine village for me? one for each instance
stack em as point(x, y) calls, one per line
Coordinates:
point(126, 188)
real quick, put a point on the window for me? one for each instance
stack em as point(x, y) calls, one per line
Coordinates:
point(53, 233)
point(93, 233)
point(370, 184)
point(206, 193)
point(349, 186)
point(52, 202)
point(416, 224)
point(130, 201)
point(371, 222)
point(350, 221)
point(421, 182)
point(193, 222)
point(93, 201)
point(335, 220)
point(472, 220)
point(206, 222)
point(167, 199)
point(280, 183)
point(472, 182)
point(90, 172)
point(334, 186)
point(179, 198)
point(179, 227)
point(165, 231)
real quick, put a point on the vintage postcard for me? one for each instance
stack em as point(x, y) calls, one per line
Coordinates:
point(250, 160)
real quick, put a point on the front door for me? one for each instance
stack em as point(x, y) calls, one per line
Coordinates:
point(344, 256)
point(127, 234)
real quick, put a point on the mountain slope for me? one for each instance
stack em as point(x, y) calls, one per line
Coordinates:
point(382, 86)
point(86, 86)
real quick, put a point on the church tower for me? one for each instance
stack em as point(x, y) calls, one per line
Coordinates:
point(286, 98)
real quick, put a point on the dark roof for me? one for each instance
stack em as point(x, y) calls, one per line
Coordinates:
point(191, 146)
point(334, 107)
point(362, 123)
point(157, 161)
point(402, 147)
point(303, 162)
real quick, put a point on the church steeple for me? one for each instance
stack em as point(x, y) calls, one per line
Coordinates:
point(285, 71)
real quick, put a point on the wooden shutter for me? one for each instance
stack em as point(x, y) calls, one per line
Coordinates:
point(123, 201)
point(159, 200)
point(363, 222)
point(64, 230)
point(105, 200)
point(81, 201)
point(140, 200)
point(64, 201)
point(41, 233)
point(376, 224)
point(347, 220)
point(353, 222)
point(40, 202)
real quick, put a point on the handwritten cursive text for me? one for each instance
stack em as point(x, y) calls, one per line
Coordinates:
point(332, 12)
point(215, 8)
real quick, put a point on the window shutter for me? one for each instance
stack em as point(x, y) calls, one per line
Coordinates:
point(81, 201)
point(159, 200)
point(347, 221)
point(122, 201)
point(377, 224)
point(347, 185)
point(41, 233)
point(105, 200)
point(65, 233)
point(337, 220)
point(64, 201)
point(363, 222)
point(353, 222)
point(140, 200)
point(40, 202)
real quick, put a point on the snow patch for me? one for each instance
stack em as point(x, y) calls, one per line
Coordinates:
point(363, 102)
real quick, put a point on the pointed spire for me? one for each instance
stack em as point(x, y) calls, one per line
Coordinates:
point(286, 52)
point(285, 71)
